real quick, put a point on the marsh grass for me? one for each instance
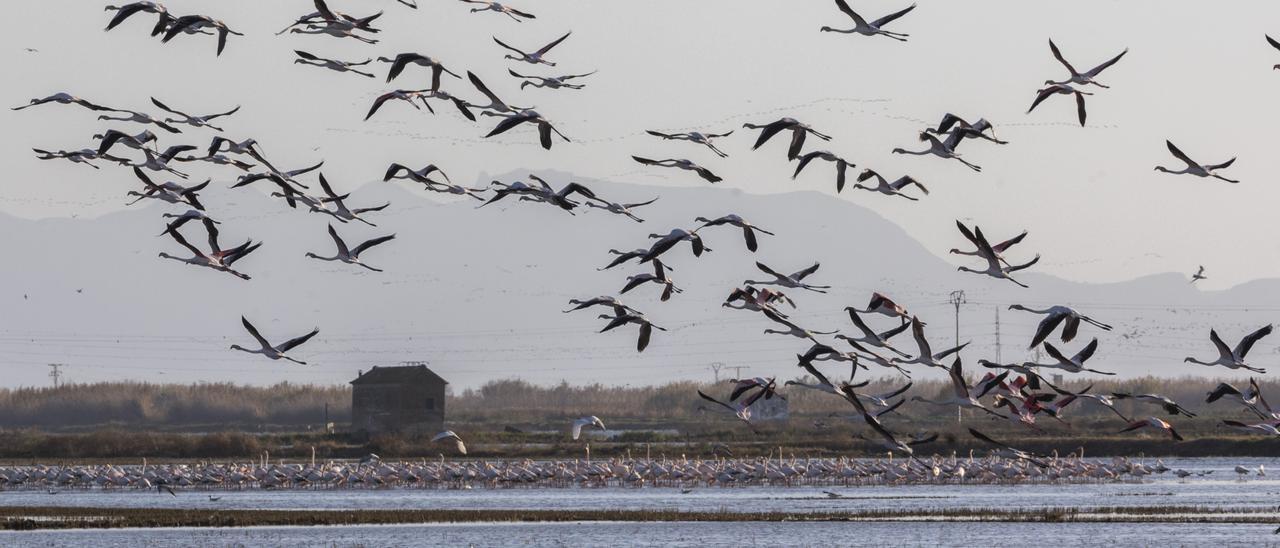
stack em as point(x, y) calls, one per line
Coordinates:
point(30, 518)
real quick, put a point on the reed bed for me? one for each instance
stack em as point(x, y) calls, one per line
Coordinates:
point(32, 518)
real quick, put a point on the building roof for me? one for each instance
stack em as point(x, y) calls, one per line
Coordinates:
point(399, 375)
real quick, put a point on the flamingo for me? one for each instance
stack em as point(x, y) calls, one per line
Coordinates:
point(687, 165)
point(1154, 423)
point(937, 148)
point(1074, 364)
point(531, 116)
point(621, 318)
point(883, 186)
point(331, 64)
point(1193, 168)
point(958, 129)
point(871, 337)
point(842, 165)
point(63, 98)
point(550, 82)
point(352, 256)
point(994, 267)
point(1234, 358)
point(926, 355)
point(274, 352)
point(513, 13)
point(619, 208)
point(883, 305)
point(659, 276)
point(798, 132)
point(127, 10)
point(1054, 316)
point(1171, 407)
point(448, 435)
point(694, 137)
point(792, 329)
point(667, 241)
point(403, 60)
point(193, 121)
point(748, 230)
point(965, 396)
point(794, 280)
point(999, 248)
point(535, 58)
point(873, 28)
point(1062, 89)
point(1078, 78)
point(195, 22)
point(218, 258)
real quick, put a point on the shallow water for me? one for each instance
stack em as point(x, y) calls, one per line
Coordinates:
point(680, 534)
point(1221, 489)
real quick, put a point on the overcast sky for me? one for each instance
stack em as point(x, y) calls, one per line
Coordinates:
point(1096, 209)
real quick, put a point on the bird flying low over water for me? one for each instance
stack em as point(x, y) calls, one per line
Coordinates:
point(1156, 423)
point(577, 425)
point(1171, 407)
point(1038, 460)
point(448, 436)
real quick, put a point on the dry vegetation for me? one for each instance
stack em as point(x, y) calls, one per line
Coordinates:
point(516, 419)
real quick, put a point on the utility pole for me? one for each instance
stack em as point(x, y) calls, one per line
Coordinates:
point(55, 373)
point(999, 359)
point(737, 371)
point(716, 367)
point(957, 299)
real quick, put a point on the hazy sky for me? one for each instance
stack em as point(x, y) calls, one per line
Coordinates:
point(1096, 209)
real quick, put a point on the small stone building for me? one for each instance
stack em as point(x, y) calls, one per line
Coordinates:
point(408, 399)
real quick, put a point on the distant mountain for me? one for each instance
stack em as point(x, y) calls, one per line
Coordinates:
point(479, 293)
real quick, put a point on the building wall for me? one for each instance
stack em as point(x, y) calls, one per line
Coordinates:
point(403, 407)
